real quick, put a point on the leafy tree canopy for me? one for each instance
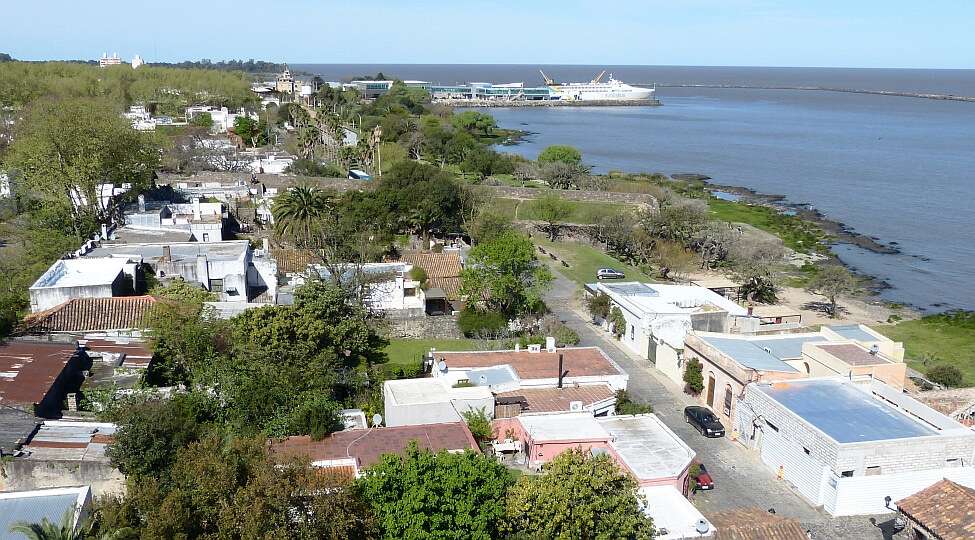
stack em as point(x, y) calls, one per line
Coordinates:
point(562, 154)
point(505, 275)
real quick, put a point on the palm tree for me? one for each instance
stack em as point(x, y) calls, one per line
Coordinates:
point(299, 211)
point(48, 530)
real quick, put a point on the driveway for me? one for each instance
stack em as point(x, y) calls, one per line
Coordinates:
point(741, 480)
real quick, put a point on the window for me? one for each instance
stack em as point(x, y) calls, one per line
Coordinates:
point(409, 292)
point(873, 471)
point(728, 395)
point(206, 237)
point(846, 474)
point(632, 332)
point(216, 285)
point(954, 462)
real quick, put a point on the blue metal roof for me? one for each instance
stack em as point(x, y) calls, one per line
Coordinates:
point(746, 353)
point(853, 331)
point(492, 376)
point(33, 510)
point(844, 413)
point(786, 348)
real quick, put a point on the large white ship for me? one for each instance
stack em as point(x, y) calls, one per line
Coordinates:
point(598, 90)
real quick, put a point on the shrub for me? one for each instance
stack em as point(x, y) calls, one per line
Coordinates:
point(479, 324)
point(617, 321)
point(478, 423)
point(565, 336)
point(626, 405)
point(693, 376)
point(946, 375)
point(420, 275)
point(598, 305)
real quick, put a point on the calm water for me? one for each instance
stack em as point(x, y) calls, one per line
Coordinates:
point(899, 169)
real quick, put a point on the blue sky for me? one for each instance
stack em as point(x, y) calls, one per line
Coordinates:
point(851, 33)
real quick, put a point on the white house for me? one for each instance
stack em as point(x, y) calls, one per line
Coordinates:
point(852, 445)
point(200, 221)
point(389, 286)
point(96, 277)
point(432, 401)
point(658, 317)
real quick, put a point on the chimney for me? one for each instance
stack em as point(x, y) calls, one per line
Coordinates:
point(167, 255)
point(142, 203)
point(561, 373)
point(196, 208)
point(751, 310)
point(550, 344)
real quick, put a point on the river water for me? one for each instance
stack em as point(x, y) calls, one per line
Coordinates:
point(895, 168)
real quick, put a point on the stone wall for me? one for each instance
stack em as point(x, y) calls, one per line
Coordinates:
point(574, 195)
point(26, 474)
point(423, 327)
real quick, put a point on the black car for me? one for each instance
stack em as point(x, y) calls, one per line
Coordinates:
point(704, 420)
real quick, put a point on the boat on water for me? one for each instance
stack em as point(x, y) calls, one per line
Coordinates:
point(598, 90)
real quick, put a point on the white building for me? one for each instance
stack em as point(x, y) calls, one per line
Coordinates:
point(389, 286)
point(851, 446)
point(432, 401)
point(658, 317)
point(5, 190)
point(270, 163)
point(674, 517)
point(197, 221)
point(137, 62)
point(95, 277)
point(223, 119)
point(107, 60)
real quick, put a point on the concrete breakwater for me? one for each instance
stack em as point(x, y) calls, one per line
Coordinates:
point(550, 103)
point(920, 95)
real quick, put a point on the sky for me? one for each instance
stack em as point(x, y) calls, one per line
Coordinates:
point(827, 33)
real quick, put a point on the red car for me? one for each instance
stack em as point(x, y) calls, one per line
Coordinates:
point(704, 481)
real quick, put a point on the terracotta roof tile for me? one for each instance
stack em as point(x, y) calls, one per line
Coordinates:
point(436, 265)
point(450, 286)
point(577, 361)
point(29, 369)
point(945, 508)
point(755, 524)
point(91, 315)
point(558, 399)
point(294, 261)
point(368, 445)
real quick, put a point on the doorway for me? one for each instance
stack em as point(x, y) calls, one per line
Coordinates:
point(711, 390)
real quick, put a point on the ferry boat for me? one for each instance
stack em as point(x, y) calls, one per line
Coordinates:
point(598, 90)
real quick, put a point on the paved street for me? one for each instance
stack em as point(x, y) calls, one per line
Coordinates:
point(741, 480)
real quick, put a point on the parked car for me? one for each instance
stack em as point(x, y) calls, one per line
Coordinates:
point(609, 273)
point(704, 421)
point(704, 481)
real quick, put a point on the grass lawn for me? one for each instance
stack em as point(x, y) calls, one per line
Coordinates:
point(584, 260)
point(584, 212)
point(941, 339)
point(407, 351)
point(796, 233)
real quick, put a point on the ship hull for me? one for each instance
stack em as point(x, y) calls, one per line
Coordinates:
point(636, 94)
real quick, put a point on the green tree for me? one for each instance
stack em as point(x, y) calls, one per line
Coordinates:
point(476, 123)
point(423, 197)
point(598, 305)
point(150, 433)
point(553, 210)
point(488, 225)
point(479, 424)
point(505, 275)
point(66, 149)
point(578, 497)
point(693, 376)
point(832, 281)
point(625, 404)
point(203, 120)
point(425, 495)
point(562, 154)
point(300, 212)
point(252, 131)
point(182, 334)
point(48, 530)
point(617, 322)
point(946, 375)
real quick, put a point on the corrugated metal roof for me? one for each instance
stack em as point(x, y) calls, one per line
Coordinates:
point(853, 331)
point(32, 507)
point(748, 354)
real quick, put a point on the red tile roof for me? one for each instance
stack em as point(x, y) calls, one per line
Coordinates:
point(943, 508)
point(367, 445)
point(29, 369)
point(577, 361)
point(755, 524)
point(91, 315)
point(436, 265)
point(852, 354)
point(558, 399)
point(294, 261)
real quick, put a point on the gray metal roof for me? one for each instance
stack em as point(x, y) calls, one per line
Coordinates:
point(786, 348)
point(853, 331)
point(748, 354)
point(32, 510)
point(844, 413)
point(632, 289)
point(228, 250)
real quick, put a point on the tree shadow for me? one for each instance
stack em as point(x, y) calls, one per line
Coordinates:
point(888, 529)
point(823, 307)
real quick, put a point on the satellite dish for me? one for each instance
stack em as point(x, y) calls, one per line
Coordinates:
point(377, 420)
point(702, 526)
point(442, 365)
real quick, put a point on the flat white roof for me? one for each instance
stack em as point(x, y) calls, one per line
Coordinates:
point(420, 391)
point(562, 427)
point(81, 272)
point(672, 511)
point(648, 447)
point(655, 298)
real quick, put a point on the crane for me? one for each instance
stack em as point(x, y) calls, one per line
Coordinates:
point(599, 77)
point(547, 79)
